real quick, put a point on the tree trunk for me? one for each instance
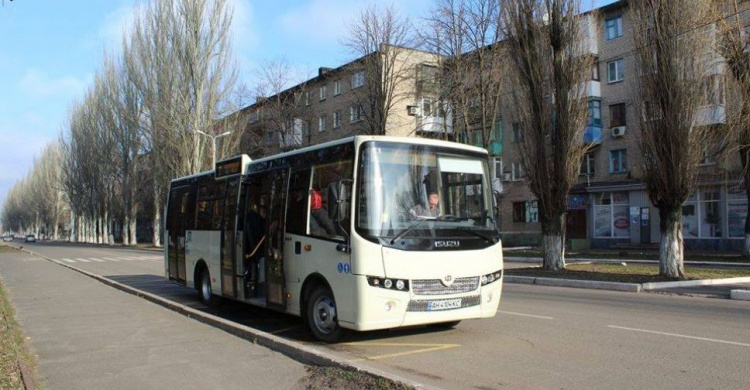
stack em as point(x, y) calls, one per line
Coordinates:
point(746, 179)
point(157, 221)
point(131, 225)
point(671, 252)
point(553, 235)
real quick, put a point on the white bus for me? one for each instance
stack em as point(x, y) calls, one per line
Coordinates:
point(362, 233)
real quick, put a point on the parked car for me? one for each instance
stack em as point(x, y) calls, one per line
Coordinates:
point(30, 238)
point(7, 237)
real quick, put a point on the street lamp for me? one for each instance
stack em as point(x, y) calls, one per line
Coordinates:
point(213, 138)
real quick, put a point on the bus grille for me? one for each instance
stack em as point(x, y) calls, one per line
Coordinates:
point(422, 305)
point(435, 287)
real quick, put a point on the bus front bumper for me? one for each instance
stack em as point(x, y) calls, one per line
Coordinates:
point(381, 308)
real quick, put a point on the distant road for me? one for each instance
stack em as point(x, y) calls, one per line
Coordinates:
point(542, 338)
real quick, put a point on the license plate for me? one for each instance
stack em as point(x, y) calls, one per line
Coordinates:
point(444, 305)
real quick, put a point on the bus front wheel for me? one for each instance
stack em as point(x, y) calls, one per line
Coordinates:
point(205, 291)
point(321, 316)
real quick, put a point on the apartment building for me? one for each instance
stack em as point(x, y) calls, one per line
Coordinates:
point(341, 102)
point(609, 205)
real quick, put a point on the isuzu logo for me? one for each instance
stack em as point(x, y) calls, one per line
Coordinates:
point(447, 244)
point(447, 280)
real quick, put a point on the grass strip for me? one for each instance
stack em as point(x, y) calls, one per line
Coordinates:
point(629, 255)
point(625, 273)
point(339, 379)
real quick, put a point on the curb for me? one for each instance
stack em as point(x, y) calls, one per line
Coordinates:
point(613, 286)
point(520, 259)
point(293, 350)
point(693, 283)
point(742, 295)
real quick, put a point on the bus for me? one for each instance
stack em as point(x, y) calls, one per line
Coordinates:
point(362, 233)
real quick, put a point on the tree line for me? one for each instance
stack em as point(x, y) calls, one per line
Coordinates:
point(141, 122)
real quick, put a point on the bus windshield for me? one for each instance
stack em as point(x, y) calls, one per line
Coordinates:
point(420, 190)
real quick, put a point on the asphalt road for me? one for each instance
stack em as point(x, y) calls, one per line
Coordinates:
point(542, 337)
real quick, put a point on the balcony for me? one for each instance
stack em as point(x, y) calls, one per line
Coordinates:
point(592, 135)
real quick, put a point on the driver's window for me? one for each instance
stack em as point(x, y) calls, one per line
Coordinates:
point(324, 220)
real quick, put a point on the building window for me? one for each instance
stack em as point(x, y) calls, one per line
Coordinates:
point(617, 115)
point(337, 87)
point(650, 111)
point(613, 27)
point(618, 161)
point(736, 212)
point(702, 215)
point(588, 165)
point(595, 71)
point(713, 90)
point(307, 98)
point(517, 132)
point(322, 123)
point(517, 170)
point(336, 119)
point(615, 71)
point(611, 218)
point(527, 212)
point(708, 158)
point(269, 138)
point(356, 113)
point(254, 116)
point(426, 107)
point(323, 92)
point(595, 113)
point(358, 79)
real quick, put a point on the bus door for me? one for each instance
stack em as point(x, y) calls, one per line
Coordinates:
point(178, 217)
point(228, 239)
point(274, 187)
point(249, 239)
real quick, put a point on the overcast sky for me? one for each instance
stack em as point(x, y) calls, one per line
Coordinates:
point(50, 49)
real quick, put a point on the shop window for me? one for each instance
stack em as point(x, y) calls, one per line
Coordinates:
point(736, 212)
point(611, 218)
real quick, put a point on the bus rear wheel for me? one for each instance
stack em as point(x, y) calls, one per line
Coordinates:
point(321, 316)
point(204, 290)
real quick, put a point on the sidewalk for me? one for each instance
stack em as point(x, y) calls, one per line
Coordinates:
point(91, 336)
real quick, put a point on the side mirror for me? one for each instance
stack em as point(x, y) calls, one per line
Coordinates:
point(343, 198)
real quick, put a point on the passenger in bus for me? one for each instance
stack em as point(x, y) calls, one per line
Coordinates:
point(255, 237)
point(432, 209)
point(320, 223)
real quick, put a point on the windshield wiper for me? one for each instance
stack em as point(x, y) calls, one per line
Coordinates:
point(410, 229)
point(477, 233)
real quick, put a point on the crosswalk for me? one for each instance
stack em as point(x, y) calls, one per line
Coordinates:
point(156, 258)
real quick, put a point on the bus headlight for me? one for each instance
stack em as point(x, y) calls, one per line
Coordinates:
point(489, 278)
point(389, 284)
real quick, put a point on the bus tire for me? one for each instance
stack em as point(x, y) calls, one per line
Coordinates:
point(321, 316)
point(204, 290)
point(445, 325)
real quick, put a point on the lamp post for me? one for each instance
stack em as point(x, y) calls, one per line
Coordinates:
point(213, 138)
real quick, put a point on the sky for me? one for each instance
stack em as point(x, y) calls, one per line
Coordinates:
point(50, 50)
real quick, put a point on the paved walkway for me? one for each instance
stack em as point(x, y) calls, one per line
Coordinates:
point(90, 336)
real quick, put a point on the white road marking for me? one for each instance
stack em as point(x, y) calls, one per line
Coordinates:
point(83, 260)
point(111, 258)
point(95, 259)
point(680, 335)
point(525, 315)
point(68, 260)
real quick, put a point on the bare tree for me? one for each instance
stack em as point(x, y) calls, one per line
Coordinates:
point(465, 32)
point(544, 40)
point(183, 74)
point(674, 55)
point(378, 36)
point(735, 48)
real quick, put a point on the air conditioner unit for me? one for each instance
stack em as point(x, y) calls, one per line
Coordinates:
point(618, 131)
point(412, 110)
point(507, 177)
